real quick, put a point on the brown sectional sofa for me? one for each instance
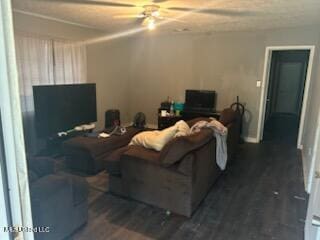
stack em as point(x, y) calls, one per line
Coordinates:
point(87, 154)
point(177, 178)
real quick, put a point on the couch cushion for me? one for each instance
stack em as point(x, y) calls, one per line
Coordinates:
point(154, 139)
point(139, 152)
point(186, 165)
point(195, 120)
point(47, 186)
point(228, 115)
point(112, 161)
point(98, 146)
point(40, 166)
point(79, 185)
point(180, 146)
point(80, 188)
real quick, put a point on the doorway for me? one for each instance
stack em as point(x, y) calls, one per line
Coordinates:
point(287, 77)
point(264, 113)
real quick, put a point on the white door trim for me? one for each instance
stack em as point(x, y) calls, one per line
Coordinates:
point(3, 213)
point(312, 186)
point(265, 84)
point(11, 119)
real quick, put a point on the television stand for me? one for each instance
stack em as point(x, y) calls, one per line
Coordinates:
point(168, 121)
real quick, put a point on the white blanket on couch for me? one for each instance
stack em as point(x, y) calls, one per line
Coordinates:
point(220, 132)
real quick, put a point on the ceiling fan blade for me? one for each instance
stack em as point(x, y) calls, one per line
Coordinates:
point(142, 21)
point(159, 1)
point(171, 19)
point(216, 11)
point(128, 16)
point(97, 3)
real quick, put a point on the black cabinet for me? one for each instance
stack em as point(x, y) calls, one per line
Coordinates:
point(168, 121)
point(188, 115)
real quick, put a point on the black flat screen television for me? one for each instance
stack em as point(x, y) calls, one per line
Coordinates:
point(200, 100)
point(60, 108)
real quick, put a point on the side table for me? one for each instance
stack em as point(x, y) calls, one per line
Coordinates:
point(167, 121)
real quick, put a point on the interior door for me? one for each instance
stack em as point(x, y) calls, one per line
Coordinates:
point(285, 91)
point(287, 78)
point(288, 92)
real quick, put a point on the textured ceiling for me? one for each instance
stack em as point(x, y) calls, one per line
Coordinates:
point(210, 16)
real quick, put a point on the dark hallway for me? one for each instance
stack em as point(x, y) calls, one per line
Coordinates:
point(288, 72)
point(282, 128)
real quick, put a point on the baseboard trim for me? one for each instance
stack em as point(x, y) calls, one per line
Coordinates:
point(250, 140)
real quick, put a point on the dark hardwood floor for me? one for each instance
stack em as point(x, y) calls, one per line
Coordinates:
point(282, 128)
point(260, 196)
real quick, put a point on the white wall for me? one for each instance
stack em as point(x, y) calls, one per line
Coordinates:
point(160, 66)
point(156, 66)
point(309, 133)
point(108, 67)
point(229, 63)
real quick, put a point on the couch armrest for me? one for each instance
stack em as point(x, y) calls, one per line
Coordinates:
point(41, 165)
point(98, 146)
point(177, 148)
point(49, 185)
point(186, 165)
point(79, 185)
point(52, 206)
point(149, 182)
point(141, 153)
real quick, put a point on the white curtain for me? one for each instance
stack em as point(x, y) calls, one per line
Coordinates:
point(45, 62)
point(70, 63)
point(35, 67)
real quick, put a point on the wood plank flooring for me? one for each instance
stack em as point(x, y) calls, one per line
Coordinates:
point(261, 196)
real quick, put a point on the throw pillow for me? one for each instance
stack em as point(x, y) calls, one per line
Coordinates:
point(154, 139)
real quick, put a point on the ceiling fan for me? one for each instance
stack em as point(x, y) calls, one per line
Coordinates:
point(151, 12)
point(149, 16)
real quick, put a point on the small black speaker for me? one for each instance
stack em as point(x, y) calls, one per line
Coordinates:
point(112, 118)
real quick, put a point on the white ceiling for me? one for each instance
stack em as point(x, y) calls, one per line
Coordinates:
point(226, 15)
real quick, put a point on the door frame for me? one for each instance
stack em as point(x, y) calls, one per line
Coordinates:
point(311, 179)
point(265, 85)
point(12, 130)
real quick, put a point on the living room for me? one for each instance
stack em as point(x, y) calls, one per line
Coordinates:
point(221, 46)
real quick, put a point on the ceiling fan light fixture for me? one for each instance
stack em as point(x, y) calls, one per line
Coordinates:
point(151, 23)
point(155, 14)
